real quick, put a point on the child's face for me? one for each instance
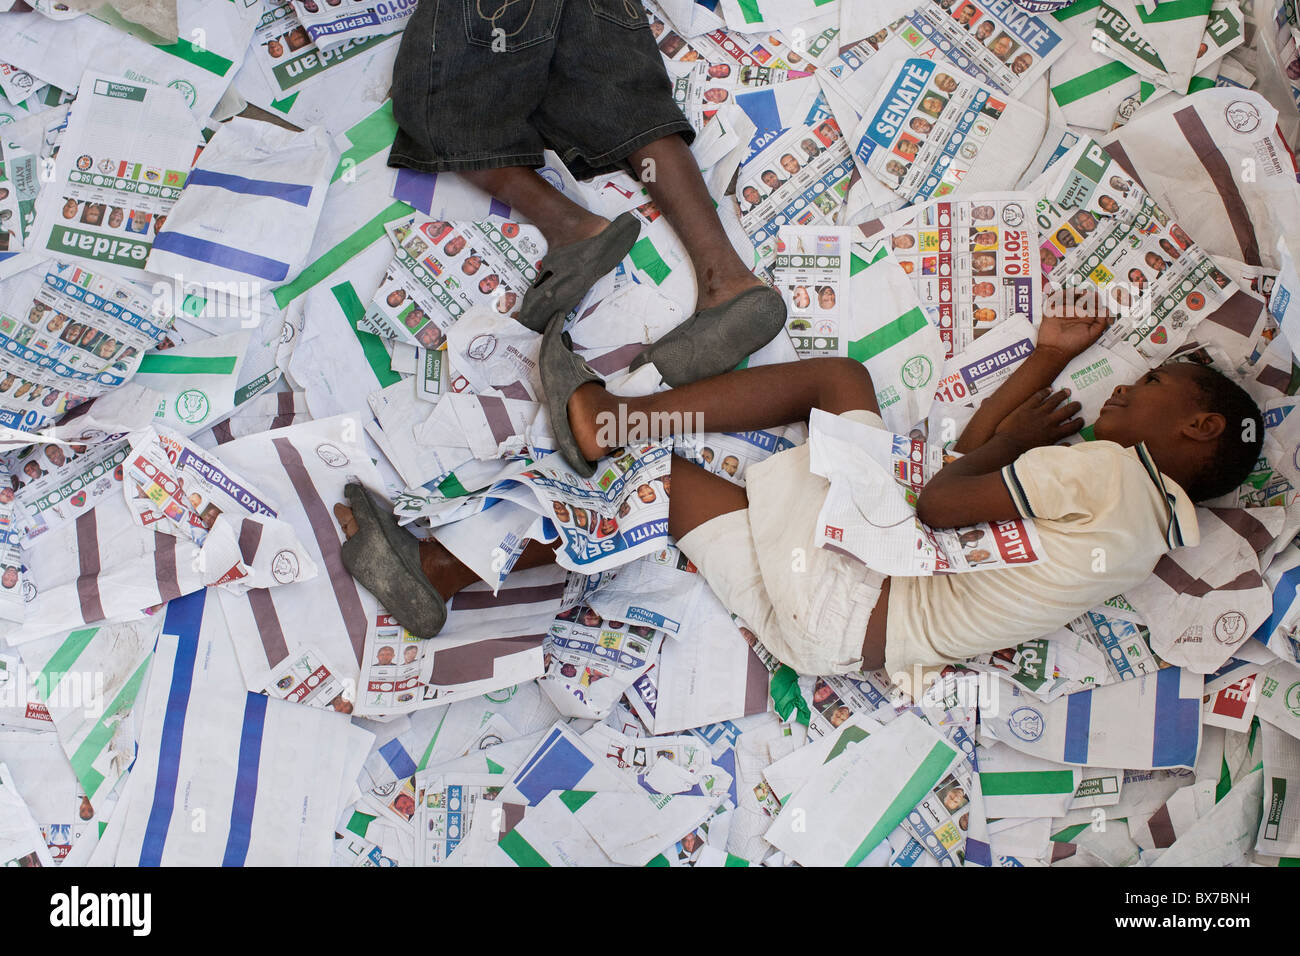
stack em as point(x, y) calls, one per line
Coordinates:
point(1156, 405)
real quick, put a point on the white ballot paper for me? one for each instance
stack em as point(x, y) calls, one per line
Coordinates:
point(441, 270)
point(1152, 721)
point(590, 662)
point(69, 333)
point(564, 761)
point(1279, 832)
point(329, 24)
point(270, 771)
point(870, 511)
point(811, 272)
point(120, 168)
point(798, 168)
point(974, 261)
point(1100, 230)
point(250, 206)
point(853, 801)
point(975, 373)
point(931, 130)
point(617, 515)
point(996, 42)
point(21, 842)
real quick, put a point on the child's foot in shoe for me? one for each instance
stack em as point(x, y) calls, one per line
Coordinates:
point(590, 407)
point(718, 338)
point(439, 565)
point(385, 559)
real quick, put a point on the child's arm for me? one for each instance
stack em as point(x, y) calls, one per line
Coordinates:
point(1063, 334)
point(970, 489)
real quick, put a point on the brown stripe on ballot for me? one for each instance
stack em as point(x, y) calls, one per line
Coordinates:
point(92, 609)
point(477, 661)
point(322, 526)
point(1202, 144)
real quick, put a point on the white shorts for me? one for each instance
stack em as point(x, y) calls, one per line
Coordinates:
point(808, 606)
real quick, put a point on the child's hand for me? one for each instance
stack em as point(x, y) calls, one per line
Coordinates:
point(1042, 420)
point(1072, 321)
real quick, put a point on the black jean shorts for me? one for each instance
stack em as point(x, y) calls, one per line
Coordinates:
point(482, 84)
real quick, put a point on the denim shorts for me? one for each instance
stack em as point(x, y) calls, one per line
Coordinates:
point(482, 84)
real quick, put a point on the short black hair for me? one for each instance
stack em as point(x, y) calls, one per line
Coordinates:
point(1239, 446)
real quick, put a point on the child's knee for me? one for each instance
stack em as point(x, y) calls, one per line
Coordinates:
point(848, 386)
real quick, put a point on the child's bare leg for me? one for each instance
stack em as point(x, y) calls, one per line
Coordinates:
point(763, 397)
point(561, 220)
point(735, 313)
point(698, 496)
point(443, 569)
point(672, 176)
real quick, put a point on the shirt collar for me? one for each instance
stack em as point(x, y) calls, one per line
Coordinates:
point(1181, 527)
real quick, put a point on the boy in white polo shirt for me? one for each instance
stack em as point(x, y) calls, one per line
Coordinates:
point(1105, 510)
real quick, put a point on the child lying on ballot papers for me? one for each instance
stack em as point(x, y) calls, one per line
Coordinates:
point(1180, 434)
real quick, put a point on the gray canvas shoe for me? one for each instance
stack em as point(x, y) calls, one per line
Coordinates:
point(385, 558)
point(716, 340)
point(563, 373)
point(566, 274)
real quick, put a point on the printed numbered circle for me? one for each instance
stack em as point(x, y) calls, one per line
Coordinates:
point(121, 184)
point(823, 260)
point(945, 295)
point(945, 244)
point(945, 269)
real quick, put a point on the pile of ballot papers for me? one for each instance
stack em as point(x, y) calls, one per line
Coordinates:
point(218, 307)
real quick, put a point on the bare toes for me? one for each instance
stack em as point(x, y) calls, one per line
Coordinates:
point(346, 519)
